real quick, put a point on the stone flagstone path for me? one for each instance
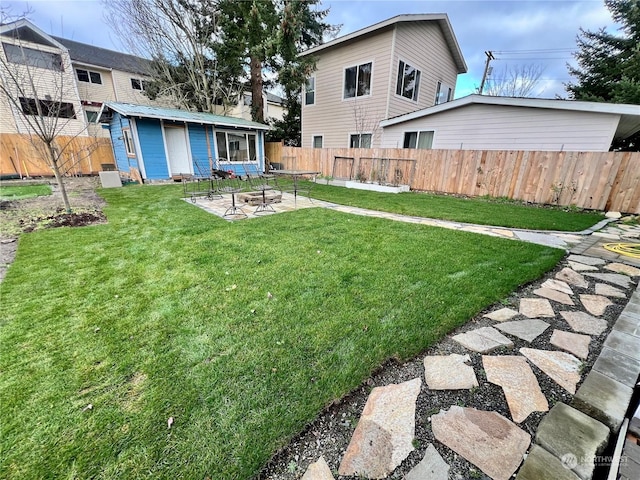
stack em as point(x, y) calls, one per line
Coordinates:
point(490, 440)
point(520, 385)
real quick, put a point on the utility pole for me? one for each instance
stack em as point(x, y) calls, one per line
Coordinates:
point(490, 57)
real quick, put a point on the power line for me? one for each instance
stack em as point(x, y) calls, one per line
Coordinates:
point(529, 52)
point(534, 58)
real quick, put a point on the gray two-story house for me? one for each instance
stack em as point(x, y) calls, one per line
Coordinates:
point(403, 64)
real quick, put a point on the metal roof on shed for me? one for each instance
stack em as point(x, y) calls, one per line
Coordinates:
point(161, 113)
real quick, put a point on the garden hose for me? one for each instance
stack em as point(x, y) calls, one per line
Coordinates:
point(629, 249)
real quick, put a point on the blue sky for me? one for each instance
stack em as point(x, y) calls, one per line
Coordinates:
point(545, 29)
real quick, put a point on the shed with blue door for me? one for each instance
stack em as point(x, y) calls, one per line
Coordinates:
point(163, 143)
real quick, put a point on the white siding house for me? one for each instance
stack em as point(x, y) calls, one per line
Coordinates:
point(479, 122)
point(83, 76)
point(390, 68)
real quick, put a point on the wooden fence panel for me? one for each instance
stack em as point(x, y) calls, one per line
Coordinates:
point(625, 194)
point(594, 180)
point(84, 156)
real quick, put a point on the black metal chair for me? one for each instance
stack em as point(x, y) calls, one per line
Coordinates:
point(259, 181)
point(230, 186)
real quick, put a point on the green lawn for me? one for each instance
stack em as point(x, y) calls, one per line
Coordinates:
point(482, 211)
point(15, 192)
point(165, 312)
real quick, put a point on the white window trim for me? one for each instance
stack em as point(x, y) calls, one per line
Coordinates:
point(344, 78)
point(400, 59)
point(443, 85)
point(136, 144)
point(246, 132)
point(86, 116)
point(126, 132)
point(359, 133)
point(418, 130)
point(313, 136)
point(89, 72)
point(315, 92)
point(141, 80)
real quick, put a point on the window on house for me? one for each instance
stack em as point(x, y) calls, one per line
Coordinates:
point(444, 93)
point(48, 108)
point(128, 142)
point(139, 84)
point(310, 91)
point(408, 81)
point(357, 81)
point(236, 146)
point(88, 76)
point(33, 57)
point(421, 140)
point(92, 117)
point(317, 141)
point(360, 140)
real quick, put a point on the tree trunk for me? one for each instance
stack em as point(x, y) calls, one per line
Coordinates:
point(257, 105)
point(53, 158)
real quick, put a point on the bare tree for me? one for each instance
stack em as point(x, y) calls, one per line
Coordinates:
point(41, 93)
point(514, 81)
point(364, 121)
point(177, 35)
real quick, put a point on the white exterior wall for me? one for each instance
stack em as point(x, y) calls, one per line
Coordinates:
point(125, 93)
point(272, 110)
point(332, 116)
point(497, 127)
point(58, 85)
point(423, 46)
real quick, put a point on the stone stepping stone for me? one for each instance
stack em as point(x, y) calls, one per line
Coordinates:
point(557, 285)
point(573, 437)
point(384, 435)
point(540, 464)
point(432, 467)
point(595, 304)
point(608, 236)
point(609, 291)
point(491, 442)
point(586, 260)
point(573, 343)
point(318, 471)
point(502, 314)
point(561, 367)
point(572, 278)
point(584, 323)
point(482, 340)
point(449, 372)
point(554, 295)
point(615, 278)
point(623, 268)
point(527, 330)
point(519, 384)
point(536, 307)
point(580, 267)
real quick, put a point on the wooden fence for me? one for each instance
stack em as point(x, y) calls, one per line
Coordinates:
point(592, 180)
point(84, 156)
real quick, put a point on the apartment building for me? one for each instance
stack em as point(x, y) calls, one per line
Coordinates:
point(70, 79)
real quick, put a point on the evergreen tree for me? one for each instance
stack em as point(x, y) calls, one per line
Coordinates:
point(262, 38)
point(609, 64)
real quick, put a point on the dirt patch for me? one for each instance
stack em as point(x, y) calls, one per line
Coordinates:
point(29, 214)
